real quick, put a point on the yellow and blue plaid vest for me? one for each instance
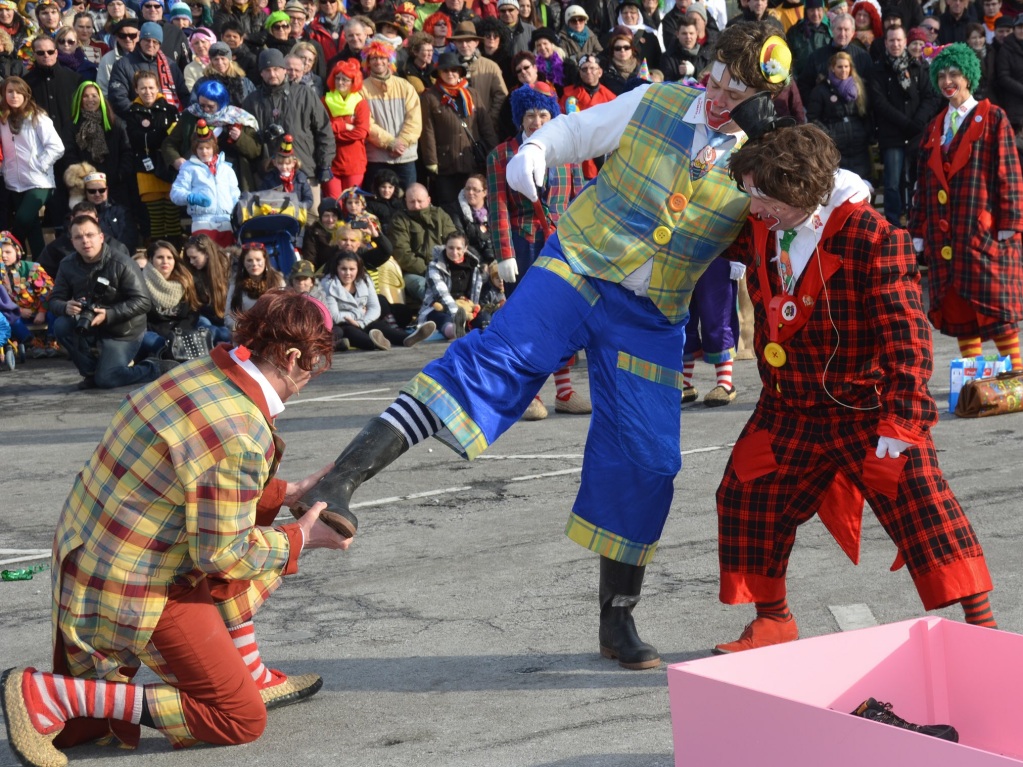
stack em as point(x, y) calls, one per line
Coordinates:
point(608, 231)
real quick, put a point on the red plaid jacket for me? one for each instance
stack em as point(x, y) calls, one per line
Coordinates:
point(512, 212)
point(964, 198)
point(865, 338)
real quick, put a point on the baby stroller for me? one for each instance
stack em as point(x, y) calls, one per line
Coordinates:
point(275, 219)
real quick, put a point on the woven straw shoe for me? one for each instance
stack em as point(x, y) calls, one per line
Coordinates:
point(32, 748)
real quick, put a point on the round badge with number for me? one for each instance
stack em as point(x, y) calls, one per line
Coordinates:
point(789, 311)
point(775, 355)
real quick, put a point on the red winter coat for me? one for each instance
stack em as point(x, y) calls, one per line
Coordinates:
point(350, 131)
point(964, 198)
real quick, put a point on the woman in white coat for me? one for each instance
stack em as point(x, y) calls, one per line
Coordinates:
point(30, 146)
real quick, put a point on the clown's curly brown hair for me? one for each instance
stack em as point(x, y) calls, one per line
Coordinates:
point(739, 49)
point(795, 165)
point(282, 320)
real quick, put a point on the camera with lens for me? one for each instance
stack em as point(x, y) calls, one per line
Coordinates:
point(272, 134)
point(83, 324)
point(101, 292)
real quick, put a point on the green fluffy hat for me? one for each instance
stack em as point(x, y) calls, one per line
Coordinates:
point(957, 56)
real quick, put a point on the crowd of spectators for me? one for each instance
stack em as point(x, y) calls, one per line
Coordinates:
point(380, 117)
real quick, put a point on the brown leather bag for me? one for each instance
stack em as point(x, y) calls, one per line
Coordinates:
point(991, 396)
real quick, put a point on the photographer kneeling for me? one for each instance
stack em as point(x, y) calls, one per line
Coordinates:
point(100, 304)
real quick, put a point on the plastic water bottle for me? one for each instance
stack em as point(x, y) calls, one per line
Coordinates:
point(24, 574)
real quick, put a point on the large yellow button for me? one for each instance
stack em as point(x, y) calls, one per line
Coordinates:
point(774, 355)
point(946, 253)
point(662, 235)
point(677, 202)
point(942, 196)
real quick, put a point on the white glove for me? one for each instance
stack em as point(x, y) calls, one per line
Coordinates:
point(1005, 234)
point(891, 447)
point(736, 270)
point(918, 244)
point(686, 69)
point(526, 172)
point(508, 270)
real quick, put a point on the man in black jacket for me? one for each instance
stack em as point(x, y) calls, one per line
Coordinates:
point(95, 282)
point(296, 110)
point(53, 85)
point(903, 101)
point(147, 55)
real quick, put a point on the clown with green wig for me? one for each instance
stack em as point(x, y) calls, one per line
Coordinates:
point(968, 213)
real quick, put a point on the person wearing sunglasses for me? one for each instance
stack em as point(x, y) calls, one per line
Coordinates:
point(124, 37)
point(71, 55)
point(174, 43)
point(147, 55)
point(327, 27)
point(53, 86)
point(620, 61)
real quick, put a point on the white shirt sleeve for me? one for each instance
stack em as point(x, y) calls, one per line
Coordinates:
point(593, 132)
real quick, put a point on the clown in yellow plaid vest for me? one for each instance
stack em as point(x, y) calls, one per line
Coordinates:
point(615, 280)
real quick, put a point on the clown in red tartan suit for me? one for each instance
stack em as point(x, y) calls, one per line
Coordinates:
point(968, 213)
point(845, 414)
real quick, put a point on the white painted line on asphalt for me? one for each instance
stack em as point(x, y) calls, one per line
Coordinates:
point(28, 558)
point(5, 552)
point(852, 617)
point(538, 456)
point(412, 497)
point(524, 478)
point(342, 397)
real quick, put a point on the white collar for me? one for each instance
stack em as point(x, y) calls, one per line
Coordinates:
point(848, 188)
point(274, 404)
point(964, 109)
point(697, 115)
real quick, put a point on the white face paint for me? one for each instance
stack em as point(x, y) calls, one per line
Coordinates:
point(723, 95)
point(778, 215)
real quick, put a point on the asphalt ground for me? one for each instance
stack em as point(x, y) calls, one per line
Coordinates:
point(461, 627)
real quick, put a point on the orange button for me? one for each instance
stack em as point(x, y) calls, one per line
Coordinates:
point(942, 197)
point(946, 253)
point(943, 225)
point(677, 202)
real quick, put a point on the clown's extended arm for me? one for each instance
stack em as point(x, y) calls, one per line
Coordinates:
point(572, 138)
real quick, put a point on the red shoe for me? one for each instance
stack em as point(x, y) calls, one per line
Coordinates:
point(762, 632)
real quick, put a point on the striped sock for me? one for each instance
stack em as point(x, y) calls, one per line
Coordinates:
point(971, 347)
point(1008, 346)
point(412, 418)
point(688, 366)
point(563, 383)
point(244, 638)
point(53, 699)
point(977, 610)
point(723, 370)
point(775, 611)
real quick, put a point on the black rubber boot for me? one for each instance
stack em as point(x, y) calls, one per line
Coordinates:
point(376, 446)
point(620, 585)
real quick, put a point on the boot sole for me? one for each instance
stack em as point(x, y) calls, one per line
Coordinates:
point(293, 697)
point(339, 523)
point(606, 652)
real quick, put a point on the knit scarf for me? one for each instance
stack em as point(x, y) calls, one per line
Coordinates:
point(457, 97)
point(341, 106)
point(551, 68)
point(166, 294)
point(900, 66)
point(579, 38)
point(90, 137)
point(167, 88)
point(212, 164)
point(846, 88)
point(224, 118)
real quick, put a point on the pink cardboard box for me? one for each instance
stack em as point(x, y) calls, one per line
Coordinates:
point(787, 705)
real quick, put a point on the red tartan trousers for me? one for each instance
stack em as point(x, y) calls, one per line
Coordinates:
point(780, 471)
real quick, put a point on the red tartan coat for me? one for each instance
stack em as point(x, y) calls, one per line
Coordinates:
point(871, 318)
point(866, 337)
point(964, 198)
